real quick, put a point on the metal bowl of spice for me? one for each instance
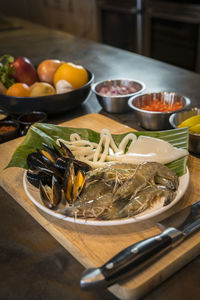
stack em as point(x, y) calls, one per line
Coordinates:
point(154, 109)
point(8, 130)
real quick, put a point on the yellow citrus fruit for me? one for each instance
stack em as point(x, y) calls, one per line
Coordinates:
point(76, 75)
point(195, 128)
point(42, 89)
point(190, 121)
point(18, 90)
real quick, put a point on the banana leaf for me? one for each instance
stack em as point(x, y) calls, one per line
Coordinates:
point(48, 133)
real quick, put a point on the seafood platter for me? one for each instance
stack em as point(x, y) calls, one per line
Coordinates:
point(98, 178)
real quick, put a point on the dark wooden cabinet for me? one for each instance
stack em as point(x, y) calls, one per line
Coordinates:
point(120, 23)
point(171, 33)
point(167, 30)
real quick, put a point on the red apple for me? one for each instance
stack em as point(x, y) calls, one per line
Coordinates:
point(24, 71)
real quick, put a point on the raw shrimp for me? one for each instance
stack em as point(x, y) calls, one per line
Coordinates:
point(112, 193)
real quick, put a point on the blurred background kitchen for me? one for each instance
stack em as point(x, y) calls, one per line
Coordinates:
point(165, 30)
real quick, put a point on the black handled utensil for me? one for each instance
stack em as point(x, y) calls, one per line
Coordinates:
point(175, 228)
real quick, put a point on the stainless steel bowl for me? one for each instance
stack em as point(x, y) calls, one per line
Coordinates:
point(153, 120)
point(194, 138)
point(116, 103)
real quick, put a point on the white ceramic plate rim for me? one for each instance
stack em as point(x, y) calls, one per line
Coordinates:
point(34, 196)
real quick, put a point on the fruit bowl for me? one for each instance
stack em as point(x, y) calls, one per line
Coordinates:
point(49, 104)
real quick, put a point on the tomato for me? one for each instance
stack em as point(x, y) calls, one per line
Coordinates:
point(160, 106)
point(47, 69)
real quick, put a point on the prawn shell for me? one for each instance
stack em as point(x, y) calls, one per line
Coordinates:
point(146, 185)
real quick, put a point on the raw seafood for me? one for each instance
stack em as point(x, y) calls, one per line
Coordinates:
point(114, 196)
point(56, 173)
point(130, 150)
point(115, 191)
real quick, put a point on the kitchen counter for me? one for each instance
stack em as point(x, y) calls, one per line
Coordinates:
point(33, 264)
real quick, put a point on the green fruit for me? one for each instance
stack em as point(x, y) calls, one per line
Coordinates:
point(190, 122)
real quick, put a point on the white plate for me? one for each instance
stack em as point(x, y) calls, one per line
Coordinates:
point(33, 194)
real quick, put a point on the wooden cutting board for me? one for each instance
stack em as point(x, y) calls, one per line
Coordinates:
point(93, 246)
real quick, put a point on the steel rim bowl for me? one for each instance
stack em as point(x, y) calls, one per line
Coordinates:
point(194, 138)
point(49, 104)
point(153, 120)
point(117, 103)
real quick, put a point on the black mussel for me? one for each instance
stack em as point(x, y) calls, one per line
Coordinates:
point(51, 153)
point(62, 164)
point(51, 195)
point(35, 177)
point(39, 161)
point(43, 175)
point(80, 165)
point(66, 151)
point(79, 182)
point(46, 159)
point(53, 173)
point(68, 182)
point(73, 183)
point(35, 161)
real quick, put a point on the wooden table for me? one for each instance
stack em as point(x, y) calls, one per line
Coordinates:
point(41, 265)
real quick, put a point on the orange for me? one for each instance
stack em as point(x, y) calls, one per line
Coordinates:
point(76, 75)
point(18, 90)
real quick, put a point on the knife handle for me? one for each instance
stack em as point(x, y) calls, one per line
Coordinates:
point(139, 254)
point(131, 259)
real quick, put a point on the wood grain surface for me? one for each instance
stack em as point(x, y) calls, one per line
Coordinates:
point(93, 245)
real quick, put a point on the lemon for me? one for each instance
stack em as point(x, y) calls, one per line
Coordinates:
point(195, 128)
point(76, 75)
point(190, 122)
